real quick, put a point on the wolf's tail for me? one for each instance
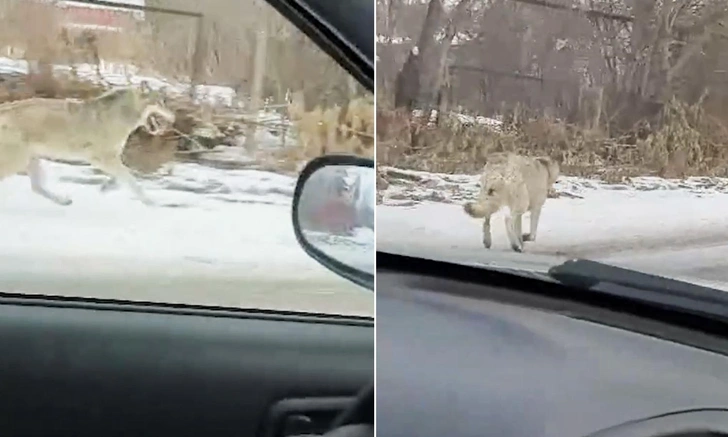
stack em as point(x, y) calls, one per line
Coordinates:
point(489, 198)
point(475, 209)
point(552, 167)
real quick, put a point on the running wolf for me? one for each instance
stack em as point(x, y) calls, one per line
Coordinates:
point(94, 131)
point(518, 182)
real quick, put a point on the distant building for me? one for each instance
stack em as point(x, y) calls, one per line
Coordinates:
point(86, 16)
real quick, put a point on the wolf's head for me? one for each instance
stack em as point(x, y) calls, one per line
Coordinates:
point(155, 107)
point(134, 104)
point(552, 168)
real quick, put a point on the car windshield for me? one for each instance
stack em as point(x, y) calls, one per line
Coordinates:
point(149, 152)
point(524, 133)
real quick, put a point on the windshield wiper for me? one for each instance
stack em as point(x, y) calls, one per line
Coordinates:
point(593, 283)
point(642, 287)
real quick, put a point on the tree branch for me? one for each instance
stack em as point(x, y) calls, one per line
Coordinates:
point(590, 13)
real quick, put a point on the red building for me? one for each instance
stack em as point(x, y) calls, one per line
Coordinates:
point(89, 16)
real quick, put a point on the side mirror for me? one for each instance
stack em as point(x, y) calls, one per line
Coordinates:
point(333, 215)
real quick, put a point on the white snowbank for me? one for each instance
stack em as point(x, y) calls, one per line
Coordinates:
point(116, 74)
point(356, 251)
point(211, 217)
point(602, 222)
point(464, 119)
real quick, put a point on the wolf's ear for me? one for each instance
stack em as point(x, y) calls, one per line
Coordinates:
point(144, 87)
point(545, 161)
point(163, 94)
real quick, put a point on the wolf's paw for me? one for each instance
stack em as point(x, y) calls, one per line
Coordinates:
point(107, 186)
point(486, 243)
point(60, 200)
point(528, 237)
point(517, 248)
point(149, 202)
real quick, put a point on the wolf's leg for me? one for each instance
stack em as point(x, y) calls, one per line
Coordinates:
point(518, 205)
point(518, 228)
point(511, 233)
point(487, 209)
point(487, 241)
point(511, 230)
point(37, 183)
point(535, 215)
point(118, 171)
point(109, 184)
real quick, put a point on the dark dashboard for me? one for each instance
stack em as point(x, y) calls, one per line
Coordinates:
point(460, 359)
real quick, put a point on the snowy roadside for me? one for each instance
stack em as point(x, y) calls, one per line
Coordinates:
point(227, 238)
point(409, 187)
point(220, 235)
point(115, 74)
point(647, 223)
point(357, 250)
point(190, 282)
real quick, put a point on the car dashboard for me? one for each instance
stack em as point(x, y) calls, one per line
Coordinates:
point(459, 359)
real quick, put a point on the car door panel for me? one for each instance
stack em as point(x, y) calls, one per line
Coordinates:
point(105, 369)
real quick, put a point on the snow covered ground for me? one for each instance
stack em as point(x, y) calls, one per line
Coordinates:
point(355, 251)
point(668, 227)
point(220, 237)
point(115, 74)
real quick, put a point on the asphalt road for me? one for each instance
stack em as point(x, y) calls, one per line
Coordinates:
point(706, 264)
point(187, 283)
point(320, 291)
point(698, 263)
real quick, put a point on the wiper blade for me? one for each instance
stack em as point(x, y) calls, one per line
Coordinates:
point(643, 287)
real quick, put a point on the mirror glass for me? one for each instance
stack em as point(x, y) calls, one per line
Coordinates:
point(336, 214)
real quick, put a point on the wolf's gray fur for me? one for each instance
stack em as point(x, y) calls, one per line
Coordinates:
point(521, 183)
point(94, 131)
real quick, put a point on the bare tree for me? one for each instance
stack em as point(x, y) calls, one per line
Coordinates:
point(420, 79)
point(256, 95)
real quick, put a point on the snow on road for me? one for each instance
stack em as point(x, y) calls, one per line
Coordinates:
point(672, 228)
point(219, 237)
point(355, 250)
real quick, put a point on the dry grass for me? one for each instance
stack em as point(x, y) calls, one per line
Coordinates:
point(32, 30)
point(293, 61)
point(147, 154)
point(684, 141)
point(163, 44)
point(347, 129)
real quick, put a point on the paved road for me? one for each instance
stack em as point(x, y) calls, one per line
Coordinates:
point(704, 264)
point(189, 283)
point(707, 265)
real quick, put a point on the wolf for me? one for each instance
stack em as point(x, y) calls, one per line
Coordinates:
point(94, 131)
point(518, 182)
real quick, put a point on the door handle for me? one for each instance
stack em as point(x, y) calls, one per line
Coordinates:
point(297, 424)
point(297, 416)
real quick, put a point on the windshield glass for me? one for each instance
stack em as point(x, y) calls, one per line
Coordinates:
point(525, 133)
point(152, 156)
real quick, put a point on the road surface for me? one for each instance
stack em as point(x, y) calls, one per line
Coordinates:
point(707, 265)
point(195, 282)
point(699, 262)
